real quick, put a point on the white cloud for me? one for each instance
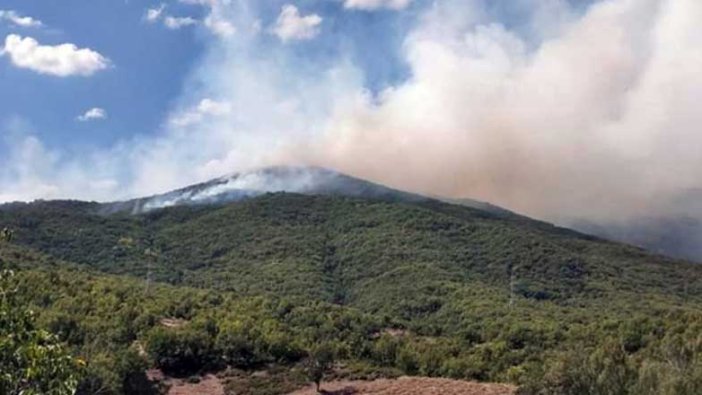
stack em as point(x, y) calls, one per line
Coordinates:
point(174, 23)
point(219, 26)
point(204, 109)
point(211, 3)
point(92, 114)
point(293, 26)
point(30, 163)
point(19, 20)
point(215, 21)
point(154, 14)
point(369, 5)
point(31, 170)
point(59, 60)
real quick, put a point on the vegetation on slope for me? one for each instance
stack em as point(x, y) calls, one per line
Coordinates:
point(420, 288)
point(32, 360)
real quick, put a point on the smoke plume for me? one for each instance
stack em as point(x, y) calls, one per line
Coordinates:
point(598, 120)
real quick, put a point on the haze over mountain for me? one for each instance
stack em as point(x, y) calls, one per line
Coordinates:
point(674, 235)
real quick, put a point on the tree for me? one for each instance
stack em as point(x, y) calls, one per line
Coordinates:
point(606, 370)
point(319, 362)
point(151, 255)
point(6, 235)
point(32, 361)
point(181, 351)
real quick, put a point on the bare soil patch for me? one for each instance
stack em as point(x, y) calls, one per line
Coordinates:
point(173, 322)
point(208, 385)
point(409, 386)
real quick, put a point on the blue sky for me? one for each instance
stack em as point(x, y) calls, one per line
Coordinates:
point(151, 51)
point(149, 63)
point(496, 100)
point(147, 68)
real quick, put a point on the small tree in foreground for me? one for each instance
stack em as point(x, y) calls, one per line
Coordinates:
point(32, 361)
point(319, 362)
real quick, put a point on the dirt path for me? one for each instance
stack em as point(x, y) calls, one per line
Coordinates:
point(409, 386)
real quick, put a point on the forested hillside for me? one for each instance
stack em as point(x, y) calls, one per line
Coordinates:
point(390, 287)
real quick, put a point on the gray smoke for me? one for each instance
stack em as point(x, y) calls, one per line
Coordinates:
point(599, 121)
point(308, 180)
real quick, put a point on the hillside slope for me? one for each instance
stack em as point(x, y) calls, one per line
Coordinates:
point(399, 258)
point(676, 236)
point(336, 244)
point(422, 287)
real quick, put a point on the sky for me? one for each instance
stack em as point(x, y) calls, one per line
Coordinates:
point(548, 107)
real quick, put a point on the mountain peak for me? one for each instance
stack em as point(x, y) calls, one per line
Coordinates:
point(307, 180)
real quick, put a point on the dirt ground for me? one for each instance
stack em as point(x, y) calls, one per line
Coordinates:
point(212, 385)
point(409, 386)
point(208, 385)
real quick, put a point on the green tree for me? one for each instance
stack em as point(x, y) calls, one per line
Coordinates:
point(319, 363)
point(606, 370)
point(6, 235)
point(32, 361)
point(181, 351)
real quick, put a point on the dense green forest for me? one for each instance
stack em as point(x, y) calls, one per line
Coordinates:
point(386, 287)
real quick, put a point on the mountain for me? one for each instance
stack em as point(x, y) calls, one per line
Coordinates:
point(336, 241)
point(308, 180)
point(675, 236)
point(394, 283)
point(241, 233)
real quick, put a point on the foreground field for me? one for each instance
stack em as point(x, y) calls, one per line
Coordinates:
point(409, 386)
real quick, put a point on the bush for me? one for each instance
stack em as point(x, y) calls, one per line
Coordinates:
point(319, 363)
point(181, 351)
point(117, 372)
point(32, 361)
point(237, 348)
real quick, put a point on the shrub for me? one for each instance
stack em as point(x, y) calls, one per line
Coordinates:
point(32, 361)
point(180, 351)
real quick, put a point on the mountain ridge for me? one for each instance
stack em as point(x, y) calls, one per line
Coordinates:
point(673, 237)
point(310, 180)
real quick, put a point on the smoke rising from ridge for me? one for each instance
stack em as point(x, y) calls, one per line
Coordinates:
point(598, 121)
point(587, 111)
